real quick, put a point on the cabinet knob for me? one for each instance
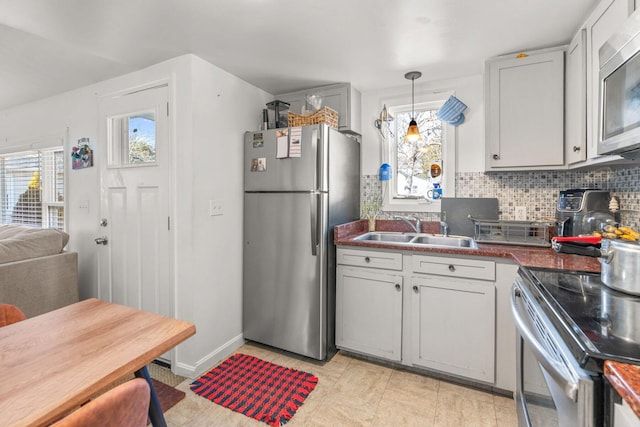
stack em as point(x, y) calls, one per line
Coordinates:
point(452, 267)
point(576, 148)
point(496, 157)
point(415, 289)
point(367, 259)
point(398, 287)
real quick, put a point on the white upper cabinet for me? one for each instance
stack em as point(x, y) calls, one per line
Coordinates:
point(605, 20)
point(524, 108)
point(575, 131)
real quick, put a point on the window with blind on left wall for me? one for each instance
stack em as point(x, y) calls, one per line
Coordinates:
point(32, 188)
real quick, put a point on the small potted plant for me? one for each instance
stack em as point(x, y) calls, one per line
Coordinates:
point(370, 210)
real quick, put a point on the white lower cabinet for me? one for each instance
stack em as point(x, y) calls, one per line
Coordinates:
point(369, 304)
point(369, 312)
point(436, 313)
point(453, 326)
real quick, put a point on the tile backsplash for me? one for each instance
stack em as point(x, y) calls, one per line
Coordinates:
point(536, 190)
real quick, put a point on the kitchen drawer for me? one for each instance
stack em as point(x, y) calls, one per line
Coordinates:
point(454, 267)
point(374, 259)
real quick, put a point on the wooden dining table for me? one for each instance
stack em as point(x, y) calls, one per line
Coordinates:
point(53, 363)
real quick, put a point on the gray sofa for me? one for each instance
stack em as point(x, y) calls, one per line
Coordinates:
point(36, 274)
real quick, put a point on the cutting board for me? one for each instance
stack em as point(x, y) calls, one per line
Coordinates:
point(456, 211)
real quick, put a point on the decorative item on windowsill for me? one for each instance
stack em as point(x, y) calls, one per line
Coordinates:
point(82, 155)
point(451, 111)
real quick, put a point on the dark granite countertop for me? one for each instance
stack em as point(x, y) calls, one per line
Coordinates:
point(626, 380)
point(527, 256)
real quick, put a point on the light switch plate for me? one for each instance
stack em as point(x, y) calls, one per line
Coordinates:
point(216, 207)
point(521, 213)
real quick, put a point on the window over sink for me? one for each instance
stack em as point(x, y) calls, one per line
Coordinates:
point(422, 166)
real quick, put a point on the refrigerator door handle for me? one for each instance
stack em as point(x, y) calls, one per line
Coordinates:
point(316, 141)
point(314, 223)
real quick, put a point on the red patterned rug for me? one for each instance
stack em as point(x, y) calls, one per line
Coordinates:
point(256, 388)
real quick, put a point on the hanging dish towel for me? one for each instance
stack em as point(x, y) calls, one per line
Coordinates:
point(451, 111)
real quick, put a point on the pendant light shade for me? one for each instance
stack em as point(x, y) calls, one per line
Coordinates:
point(413, 133)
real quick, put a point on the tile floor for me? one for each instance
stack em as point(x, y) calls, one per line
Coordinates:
point(354, 392)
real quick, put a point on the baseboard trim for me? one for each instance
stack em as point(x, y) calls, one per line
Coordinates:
point(210, 360)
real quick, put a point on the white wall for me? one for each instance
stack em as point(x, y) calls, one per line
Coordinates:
point(69, 116)
point(211, 110)
point(210, 248)
point(470, 134)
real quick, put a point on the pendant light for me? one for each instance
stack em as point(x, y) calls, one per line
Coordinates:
point(413, 133)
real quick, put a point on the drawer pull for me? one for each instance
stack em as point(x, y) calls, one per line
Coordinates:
point(398, 287)
point(367, 259)
point(415, 289)
point(452, 267)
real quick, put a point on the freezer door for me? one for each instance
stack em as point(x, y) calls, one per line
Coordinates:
point(292, 162)
point(284, 289)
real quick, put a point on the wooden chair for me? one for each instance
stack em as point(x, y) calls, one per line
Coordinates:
point(10, 314)
point(126, 405)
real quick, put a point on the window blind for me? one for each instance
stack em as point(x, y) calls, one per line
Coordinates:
point(32, 188)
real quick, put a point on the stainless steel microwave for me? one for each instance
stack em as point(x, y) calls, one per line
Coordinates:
point(619, 124)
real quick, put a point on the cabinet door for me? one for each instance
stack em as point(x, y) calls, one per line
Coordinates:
point(576, 100)
point(606, 19)
point(369, 312)
point(340, 97)
point(453, 326)
point(525, 121)
point(336, 97)
point(296, 101)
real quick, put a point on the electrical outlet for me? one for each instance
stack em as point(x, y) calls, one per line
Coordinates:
point(521, 213)
point(215, 207)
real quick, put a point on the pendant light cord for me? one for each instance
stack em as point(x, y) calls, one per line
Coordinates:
point(413, 103)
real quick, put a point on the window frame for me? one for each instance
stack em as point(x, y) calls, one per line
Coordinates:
point(391, 201)
point(46, 144)
point(118, 140)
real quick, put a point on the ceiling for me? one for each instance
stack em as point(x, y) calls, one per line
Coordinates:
point(48, 47)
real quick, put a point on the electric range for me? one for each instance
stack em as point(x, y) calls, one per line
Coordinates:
point(596, 322)
point(568, 324)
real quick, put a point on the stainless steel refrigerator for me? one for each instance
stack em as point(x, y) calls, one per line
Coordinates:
point(298, 186)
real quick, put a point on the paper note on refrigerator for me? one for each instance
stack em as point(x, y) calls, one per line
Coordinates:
point(282, 143)
point(295, 138)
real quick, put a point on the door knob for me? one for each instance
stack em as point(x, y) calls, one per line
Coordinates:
point(398, 287)
point(101, 240)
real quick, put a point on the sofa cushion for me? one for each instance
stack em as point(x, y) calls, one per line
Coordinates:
point(19, 242)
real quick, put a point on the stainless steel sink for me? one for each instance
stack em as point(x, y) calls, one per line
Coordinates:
point(387, 237)
point(449, 241)
point(417, 240)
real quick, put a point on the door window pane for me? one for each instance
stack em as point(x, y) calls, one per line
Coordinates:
point(132, 140)
point(142, 139)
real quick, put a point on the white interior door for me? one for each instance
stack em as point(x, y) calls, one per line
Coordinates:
point(134, 259)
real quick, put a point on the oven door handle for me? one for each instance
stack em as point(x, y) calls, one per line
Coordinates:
point(555, 369)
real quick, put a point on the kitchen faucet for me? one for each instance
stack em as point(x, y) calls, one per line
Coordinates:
point(415, 227)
